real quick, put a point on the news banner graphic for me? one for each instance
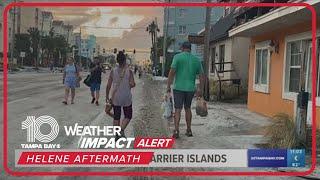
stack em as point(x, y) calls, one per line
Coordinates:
point(99, 146)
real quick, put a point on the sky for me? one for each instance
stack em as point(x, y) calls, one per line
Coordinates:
point(100, 21)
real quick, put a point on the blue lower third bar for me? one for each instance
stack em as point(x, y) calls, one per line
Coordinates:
point(276, 158)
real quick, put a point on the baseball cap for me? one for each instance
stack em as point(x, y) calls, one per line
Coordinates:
point(186, 45)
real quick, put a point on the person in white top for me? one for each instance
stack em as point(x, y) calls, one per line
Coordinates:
point(121, 80)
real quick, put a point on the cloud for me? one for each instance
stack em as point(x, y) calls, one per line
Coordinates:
point(75, 16)
point(136, 38)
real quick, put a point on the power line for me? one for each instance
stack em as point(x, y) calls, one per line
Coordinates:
point(192, 23)
point(105, 27)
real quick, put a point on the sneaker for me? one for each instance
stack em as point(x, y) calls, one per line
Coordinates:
point(97, 103)
point(92, 101)
point(175, 134)
point(189, 133)
point(65, 102)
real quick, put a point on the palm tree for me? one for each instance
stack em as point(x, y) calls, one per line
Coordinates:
point(61, 48)
point(35, 39)
point(47, 45)
point(22, 44)
point(169, 42)
point(51, 44)
point(152, 29)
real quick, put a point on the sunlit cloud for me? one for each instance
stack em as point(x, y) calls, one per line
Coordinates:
point(136, 18)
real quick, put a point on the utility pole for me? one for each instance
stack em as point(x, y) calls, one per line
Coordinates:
point(156, 41)
point(206, 52)
point(13, 34)
point(87, 60)
point(165, 31)
point(40, 46)
point(68, 32)
point(80, 48)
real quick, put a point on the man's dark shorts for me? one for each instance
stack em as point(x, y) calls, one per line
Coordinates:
point(182, 99)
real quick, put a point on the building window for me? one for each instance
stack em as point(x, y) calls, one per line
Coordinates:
point(182, 13)
point(294, 57)
point(221, 57)
point(298, 61)
point(262, 64)
point(182, 30)
point(297, 51)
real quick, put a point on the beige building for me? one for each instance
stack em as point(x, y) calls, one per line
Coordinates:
point(228, 55)
point(64, 30)
point(68, 34)
point(27, 18)
point(58, 27)
point(46, 22)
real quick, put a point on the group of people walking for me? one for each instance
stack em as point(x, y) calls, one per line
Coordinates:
point(118, 90)
point(184, 69)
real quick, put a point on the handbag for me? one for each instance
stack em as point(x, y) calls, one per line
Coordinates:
point(87, 80)
point(201, 107)
point(109, 104)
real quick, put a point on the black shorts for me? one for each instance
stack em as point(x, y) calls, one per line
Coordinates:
point(127, 110)
point(182, 99)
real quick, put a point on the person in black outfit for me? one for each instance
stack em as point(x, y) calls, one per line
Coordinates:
point(96, 70)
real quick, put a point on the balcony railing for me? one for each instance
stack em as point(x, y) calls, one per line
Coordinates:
point(246, 14)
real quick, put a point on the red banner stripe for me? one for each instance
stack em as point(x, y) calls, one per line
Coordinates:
point(72, 158)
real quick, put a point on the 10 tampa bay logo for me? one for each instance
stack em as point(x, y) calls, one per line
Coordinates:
point(36, 138)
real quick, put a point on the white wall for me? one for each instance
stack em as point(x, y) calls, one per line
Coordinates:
point(236, 51)
point(227, 58)
point(240, 57)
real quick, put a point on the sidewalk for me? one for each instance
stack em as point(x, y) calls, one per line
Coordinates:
point(227, 126)
point(230, 126)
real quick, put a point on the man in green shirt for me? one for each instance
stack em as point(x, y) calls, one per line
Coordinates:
point(184, 69)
